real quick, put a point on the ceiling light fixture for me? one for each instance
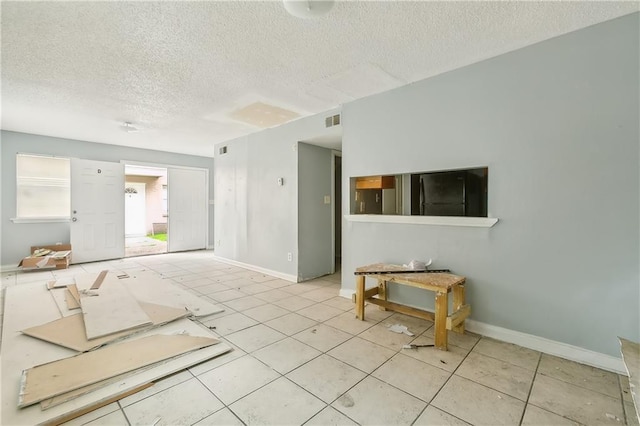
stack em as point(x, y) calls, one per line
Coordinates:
point(308, 9)
point(128, 127)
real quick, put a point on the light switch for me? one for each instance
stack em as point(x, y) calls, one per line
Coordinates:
point(327, 199)
point(280, 181)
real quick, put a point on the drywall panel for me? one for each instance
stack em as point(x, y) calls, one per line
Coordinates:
point(314, 215)
point(557, 125)
point(70, 331)
point(58, 377)
point(31, 234)
point(29, 305)
point(112, 310)
point(148, 287)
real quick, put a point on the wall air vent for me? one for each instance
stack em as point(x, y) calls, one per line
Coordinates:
point(331, 121)
point(222, 150)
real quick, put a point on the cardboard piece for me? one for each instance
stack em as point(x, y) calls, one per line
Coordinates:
point(57, 377)
point(112, 311)
point(59, 258)
point(70, 332)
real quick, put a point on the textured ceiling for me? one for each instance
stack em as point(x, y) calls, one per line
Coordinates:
point(184, 72)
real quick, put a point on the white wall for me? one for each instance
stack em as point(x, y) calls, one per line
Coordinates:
point(557, 124)
point(258, 223)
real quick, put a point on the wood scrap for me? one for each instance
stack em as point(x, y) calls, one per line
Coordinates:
point(101, 404)
point(98, 282)
point(70, 299)
point(112, 311)
point(70, 331)
point(73, 289)
point(48, 380)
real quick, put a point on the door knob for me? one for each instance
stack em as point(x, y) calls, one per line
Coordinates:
point(74, 219)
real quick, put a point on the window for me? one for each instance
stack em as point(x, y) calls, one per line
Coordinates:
point(43, 186)
point(376, 195)
point(458, 193)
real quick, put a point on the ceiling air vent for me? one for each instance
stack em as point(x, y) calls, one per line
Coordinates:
point(222, 150)
point(331, 121)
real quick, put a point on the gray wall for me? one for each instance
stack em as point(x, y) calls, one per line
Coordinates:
point(314, 216)
point(557, 125)
point(258, 218)
point(18, 237)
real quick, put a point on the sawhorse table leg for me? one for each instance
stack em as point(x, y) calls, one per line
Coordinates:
point(458, 302)
point(360, 297)
point(442, 307)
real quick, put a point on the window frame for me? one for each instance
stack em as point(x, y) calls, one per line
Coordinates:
point(66, 183)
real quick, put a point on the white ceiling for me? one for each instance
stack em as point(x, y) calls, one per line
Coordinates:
point(184, 72)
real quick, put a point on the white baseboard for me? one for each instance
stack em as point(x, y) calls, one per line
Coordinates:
point(547, 346)
point(286, 277)
point(345, 292)
point(9, 268)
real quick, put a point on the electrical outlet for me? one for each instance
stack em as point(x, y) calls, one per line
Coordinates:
point(289, 257)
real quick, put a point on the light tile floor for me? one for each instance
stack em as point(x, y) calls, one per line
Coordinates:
point(301, 357)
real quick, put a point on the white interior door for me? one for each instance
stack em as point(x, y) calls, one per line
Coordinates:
point(187, 200)
point(135, 218)
point(97, 210)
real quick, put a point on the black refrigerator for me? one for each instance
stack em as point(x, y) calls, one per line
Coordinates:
point(452, 193)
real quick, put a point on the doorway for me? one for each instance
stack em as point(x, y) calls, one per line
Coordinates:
point(337, 211)
point(146, 210)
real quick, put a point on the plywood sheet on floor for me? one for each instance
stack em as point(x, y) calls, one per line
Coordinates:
point(113, 310)
point(70, 332)
point(30, 305)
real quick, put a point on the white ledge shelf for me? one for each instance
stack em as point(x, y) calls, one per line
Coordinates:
point(477, 222)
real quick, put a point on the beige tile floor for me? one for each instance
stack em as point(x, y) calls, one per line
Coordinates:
point(301, 357)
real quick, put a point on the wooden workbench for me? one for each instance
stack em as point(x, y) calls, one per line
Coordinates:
point(440, 283)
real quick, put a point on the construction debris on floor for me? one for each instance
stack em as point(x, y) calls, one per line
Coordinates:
point(73, 345)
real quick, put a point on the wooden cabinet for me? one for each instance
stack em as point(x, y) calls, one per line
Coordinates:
point(376, 182)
